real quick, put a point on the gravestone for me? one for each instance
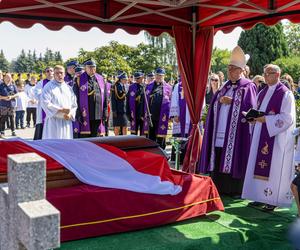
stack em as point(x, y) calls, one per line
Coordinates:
point(28, 220)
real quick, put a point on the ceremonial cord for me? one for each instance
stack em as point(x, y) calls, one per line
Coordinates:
point(117, 95)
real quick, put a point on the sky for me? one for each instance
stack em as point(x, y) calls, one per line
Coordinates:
point(68, 40)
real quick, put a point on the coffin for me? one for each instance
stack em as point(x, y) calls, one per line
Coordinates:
point(64, 178)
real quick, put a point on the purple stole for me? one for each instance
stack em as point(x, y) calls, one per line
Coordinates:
point(83, 101)
point(45, 81)
point(182, 109)
point(101, 129)
point(132, 92)
point(69, 80)
point(236, 146)
point(164, 110)
point(266, 143)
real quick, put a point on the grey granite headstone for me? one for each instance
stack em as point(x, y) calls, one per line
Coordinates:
point(29, 221)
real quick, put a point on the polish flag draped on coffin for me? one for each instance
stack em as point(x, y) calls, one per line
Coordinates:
point(99, 165)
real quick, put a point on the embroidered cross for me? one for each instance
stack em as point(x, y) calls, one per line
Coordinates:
point(263, 164)
point(279, 123)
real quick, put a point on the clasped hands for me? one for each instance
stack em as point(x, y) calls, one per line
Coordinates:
point(66, 112)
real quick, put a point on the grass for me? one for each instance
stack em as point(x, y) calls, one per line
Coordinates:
point(239, 227)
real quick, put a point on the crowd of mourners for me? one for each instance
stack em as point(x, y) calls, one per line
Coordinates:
point(248, 134)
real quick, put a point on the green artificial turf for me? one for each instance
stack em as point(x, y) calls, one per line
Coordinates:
point(239, 227)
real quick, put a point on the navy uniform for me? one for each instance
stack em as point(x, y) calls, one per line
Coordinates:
point(158, 99)
point(118, 104)
point(135, 103)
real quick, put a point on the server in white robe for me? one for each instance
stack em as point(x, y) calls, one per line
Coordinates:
point(270, 168)
point(40, 114)
point(59, 103)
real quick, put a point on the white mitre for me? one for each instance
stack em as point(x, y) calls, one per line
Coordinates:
point(238, 58)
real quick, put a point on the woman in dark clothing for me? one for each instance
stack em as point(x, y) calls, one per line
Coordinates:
point(118, 103)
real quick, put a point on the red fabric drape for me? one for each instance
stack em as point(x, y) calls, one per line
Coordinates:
point(194, 72)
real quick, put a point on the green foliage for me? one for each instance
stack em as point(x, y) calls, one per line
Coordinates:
point(30, 63)
point(292, 33)
point(220, 59)
point(297, 102)
point(264, 45)
point(165, 52)
point(290, 65)
point(4, 64)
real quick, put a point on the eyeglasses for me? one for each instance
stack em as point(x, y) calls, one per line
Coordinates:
point(49, 70)
point(214, 80)
point(270, 73)
point(261, 82)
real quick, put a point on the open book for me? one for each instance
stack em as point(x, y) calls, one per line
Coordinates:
point(252, 113)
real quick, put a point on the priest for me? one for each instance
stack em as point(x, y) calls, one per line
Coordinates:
point(59, 103)
point(157, 108)
point(226, 141)
point(270, 165)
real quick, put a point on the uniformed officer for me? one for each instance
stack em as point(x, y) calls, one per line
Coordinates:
point(92, 96)
point(157, 108)
point(118, 103)
point(135, 97)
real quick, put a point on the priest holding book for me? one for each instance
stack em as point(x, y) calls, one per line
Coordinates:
point(270, 166)
point(226, 141)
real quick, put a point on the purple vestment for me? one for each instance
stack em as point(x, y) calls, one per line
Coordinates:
point(45, 81)
point(164, 110)
point(237, 136)
point(266, 143)
point(83, 100)
point(69, 80)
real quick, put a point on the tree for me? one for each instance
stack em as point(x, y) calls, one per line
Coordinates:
point(165, 46)
point(219, 60)
point(290, 65)
point(4, 64)
point(264, 45)
point(292, 33)
point(21, 64)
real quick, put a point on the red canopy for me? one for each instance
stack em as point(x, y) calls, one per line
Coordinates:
point(191, 22)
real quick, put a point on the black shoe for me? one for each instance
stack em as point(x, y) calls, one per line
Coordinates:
point(22, 127)
point(17, 127)
point(13, 134)
point(28, 125)
point(268, 207)
point(255, 204)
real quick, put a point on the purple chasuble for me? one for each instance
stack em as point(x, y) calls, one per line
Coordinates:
point(164, 110)
point(236, 146)
point(266, 143)
point(45, 81)
point(83, 100)
point(132, 93)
